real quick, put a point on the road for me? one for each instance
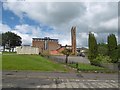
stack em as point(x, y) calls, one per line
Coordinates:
point(32, 79)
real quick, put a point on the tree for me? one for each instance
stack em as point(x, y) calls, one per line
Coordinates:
point(10, 40)
point(93, 49)
point(112, 48)
point(102, 49)
point(0, 39)
point(112, 42)
point(118, 51)
point(66, 52)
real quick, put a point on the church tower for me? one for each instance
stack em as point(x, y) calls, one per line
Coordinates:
point(73, 38)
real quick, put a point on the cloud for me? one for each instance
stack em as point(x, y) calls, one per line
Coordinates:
point(82, 39)
point(110, 25)
point(97, 17)
point(28, 32)
point(4, 28)
point(98, 13)
point(85, 15)
point(26, 38)
point(48, 13)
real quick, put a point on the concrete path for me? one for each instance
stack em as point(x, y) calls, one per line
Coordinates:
point(30, 79)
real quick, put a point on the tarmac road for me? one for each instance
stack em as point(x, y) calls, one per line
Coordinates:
point(32, 79)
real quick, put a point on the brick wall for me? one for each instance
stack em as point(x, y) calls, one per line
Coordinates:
point(38, 44)
point(52, 45)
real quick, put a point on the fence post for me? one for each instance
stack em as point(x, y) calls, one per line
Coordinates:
point(77, 66)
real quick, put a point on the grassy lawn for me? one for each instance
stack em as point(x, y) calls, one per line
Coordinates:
point(29, 62)
point(8, 52)
point(87, 67)
point(0, 61)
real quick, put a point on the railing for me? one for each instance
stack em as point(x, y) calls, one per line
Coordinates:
point(56, 59)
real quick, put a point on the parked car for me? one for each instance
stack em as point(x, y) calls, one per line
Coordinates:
point(81, 54)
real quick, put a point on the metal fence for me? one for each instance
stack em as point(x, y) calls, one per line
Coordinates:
point(111, 66)
point(56, 59)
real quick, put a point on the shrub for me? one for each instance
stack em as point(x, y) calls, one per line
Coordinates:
point(95, 62)
point(101, 59)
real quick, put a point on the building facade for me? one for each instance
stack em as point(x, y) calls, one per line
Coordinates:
point(45, 44)
point(73, 39)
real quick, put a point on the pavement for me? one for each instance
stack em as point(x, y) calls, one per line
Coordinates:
point(36, 79)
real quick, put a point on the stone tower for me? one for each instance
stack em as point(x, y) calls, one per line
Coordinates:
point(73, 38)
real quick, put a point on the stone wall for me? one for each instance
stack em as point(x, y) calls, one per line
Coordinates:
point(27, 50)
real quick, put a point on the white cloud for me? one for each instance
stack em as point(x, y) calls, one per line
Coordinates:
point(48, 13)
point(24, 32)
point(4, 28)
point(83, 35)
point(111, 24)
point(20, 30)
point(65, 14)
point(26, 38)
point(98, 17)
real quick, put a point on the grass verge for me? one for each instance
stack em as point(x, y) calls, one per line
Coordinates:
point(90, 68)
point(30, 62)
point(8, 52)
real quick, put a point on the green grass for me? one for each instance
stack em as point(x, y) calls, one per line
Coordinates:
point(0, 61)
point(29, 62)
point(8, 52)
point(87, 67)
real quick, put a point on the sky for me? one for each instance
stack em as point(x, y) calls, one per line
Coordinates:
point(55, 20)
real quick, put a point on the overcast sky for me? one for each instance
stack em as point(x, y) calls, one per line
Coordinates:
point(55, 20)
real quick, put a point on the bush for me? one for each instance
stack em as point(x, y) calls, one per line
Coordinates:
point(95, 62)
point(101, 59)
point(114, 56)
point(45, 54)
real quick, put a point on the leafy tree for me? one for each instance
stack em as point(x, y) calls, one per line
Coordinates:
point(10, 40)
point(112, 42)
point(102, 49)
point(112, 48)
point(0, 39)
point(66, 52)
point(93, 49)
point(118, 51)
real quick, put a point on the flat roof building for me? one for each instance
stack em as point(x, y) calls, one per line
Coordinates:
point(45, 44)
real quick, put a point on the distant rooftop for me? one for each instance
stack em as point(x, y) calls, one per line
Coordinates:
point(25, 45)
point(45, 38)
